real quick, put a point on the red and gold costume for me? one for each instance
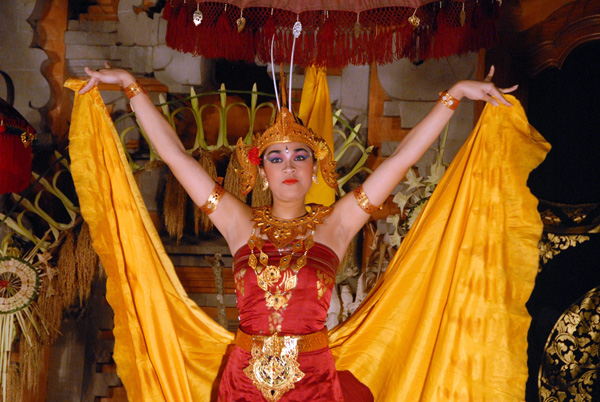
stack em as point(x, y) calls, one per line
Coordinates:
point(446, 323)
point(283, 288)
point(305, 313)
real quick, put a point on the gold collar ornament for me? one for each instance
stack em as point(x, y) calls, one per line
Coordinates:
point(279, 281)
point(286, 129)
point(281, 232)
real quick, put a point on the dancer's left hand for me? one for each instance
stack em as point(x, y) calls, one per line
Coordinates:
point(482, 90)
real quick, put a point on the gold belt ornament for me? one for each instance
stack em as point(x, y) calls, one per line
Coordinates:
point(273, 367)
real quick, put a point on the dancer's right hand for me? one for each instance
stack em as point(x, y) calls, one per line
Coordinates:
point(107, 75)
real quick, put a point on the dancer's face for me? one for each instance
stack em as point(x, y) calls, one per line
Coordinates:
point(289, 169)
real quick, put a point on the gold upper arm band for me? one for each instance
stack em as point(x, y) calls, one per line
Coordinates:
point(213, 200)
point(363, 201)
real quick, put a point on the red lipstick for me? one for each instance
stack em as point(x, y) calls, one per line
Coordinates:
point(290, 181)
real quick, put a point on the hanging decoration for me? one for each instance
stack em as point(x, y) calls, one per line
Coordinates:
point(19, 282)
point(414, 20)
point(241, 22)
point(34, 290)
point(386, 31)
point(197, 17)
point(16, 136)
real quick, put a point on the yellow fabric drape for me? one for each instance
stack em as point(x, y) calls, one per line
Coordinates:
point(315, 112)
point(448, 321)
point(166, 348)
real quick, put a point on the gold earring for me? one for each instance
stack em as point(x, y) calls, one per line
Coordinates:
point(265, 184)
point(315, 179)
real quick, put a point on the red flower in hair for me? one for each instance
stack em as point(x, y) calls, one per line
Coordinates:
point(253, 156)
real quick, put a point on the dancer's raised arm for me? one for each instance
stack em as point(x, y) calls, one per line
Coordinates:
point(196, 181)
point(348, 217)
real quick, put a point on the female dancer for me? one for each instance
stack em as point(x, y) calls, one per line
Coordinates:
point(285, 258)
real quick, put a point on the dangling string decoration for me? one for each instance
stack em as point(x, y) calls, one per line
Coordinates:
point(357, 26)
point(241, 22)
point(197, 16)
point(297, 30)
point(414, 20)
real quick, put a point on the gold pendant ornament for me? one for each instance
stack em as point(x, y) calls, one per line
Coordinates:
point(268, 277)
point(274, 366)
point(276, 301)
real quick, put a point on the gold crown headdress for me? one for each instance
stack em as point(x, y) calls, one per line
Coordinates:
point(286, 128)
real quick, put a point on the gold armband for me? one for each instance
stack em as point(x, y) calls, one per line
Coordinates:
point(448, 100)
point(363, 201)
point(134, 88)
point(213, 200)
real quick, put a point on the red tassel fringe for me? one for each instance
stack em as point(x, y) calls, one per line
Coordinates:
point(385, 34)
point(166, 14)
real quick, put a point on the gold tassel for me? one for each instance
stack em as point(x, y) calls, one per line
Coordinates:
point(232, 183)
point(31, 358)
point(87, 261)
point(66, 283)
point(260, 197)
point(174, 206)
point(50, 310)
point(201, 221)
point(14, 384)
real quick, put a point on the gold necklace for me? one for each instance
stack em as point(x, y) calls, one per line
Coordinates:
point(282, 278)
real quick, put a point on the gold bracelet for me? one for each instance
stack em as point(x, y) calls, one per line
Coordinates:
point(448, 100)
point(134, 88)
point(363, 201)
point(213, 200)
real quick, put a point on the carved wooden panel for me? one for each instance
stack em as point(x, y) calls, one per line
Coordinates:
point(549, 42)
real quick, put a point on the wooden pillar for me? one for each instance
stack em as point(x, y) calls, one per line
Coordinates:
point(51, 30)
point(381, 128)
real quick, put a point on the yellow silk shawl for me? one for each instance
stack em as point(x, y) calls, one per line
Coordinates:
point(315, 112)
point(446, 323)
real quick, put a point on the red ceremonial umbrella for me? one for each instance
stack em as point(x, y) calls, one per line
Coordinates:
point(334, 33)
point(16, 135)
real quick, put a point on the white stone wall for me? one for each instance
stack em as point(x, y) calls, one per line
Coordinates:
point(21, 61)
point(135, 43)
point(413, 90)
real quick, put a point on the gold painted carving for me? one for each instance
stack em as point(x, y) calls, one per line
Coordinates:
point(274, 366)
